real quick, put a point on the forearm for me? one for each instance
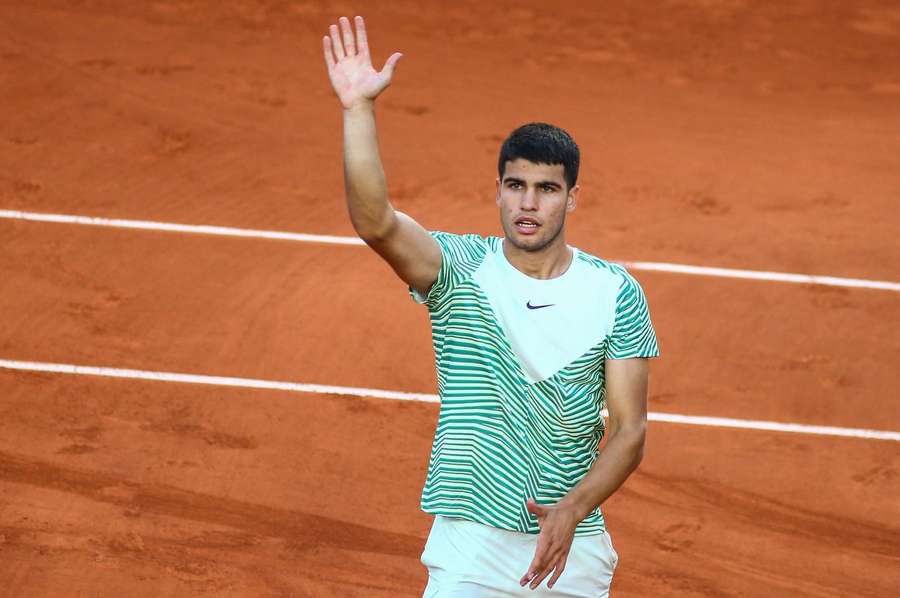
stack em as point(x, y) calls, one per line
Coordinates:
point(364, 181)
point(621, 456)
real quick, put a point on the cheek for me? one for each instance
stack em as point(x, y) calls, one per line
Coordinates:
point(559, 209)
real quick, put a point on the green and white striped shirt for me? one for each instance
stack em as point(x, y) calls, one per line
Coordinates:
point(520, 368)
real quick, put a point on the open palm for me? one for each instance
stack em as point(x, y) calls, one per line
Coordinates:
point(350, 69)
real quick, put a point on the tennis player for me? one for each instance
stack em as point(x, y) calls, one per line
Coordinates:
point(532, 338)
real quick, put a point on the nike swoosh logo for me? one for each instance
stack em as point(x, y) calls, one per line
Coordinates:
point(530, 306)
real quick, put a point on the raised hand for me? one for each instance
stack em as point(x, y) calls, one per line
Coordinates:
point(350, 69)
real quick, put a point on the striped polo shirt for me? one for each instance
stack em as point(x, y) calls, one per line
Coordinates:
point(520, 369)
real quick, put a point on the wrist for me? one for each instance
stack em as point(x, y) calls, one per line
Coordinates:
point(576, 505)
point(361, 105)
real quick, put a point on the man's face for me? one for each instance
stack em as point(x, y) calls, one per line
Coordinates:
point(533, 202)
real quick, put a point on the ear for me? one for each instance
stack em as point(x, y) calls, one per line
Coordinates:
point(497, 199)
point(572, 199)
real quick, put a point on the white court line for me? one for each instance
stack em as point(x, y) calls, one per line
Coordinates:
point(764, 275)
point(203, 229)
point(308, 238)
point(718, 422)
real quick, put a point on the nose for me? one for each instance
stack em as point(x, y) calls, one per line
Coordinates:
point(529, 200)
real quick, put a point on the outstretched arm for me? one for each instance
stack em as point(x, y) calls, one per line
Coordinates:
point(401, 241)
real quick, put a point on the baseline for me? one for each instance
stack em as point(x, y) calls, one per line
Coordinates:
point(719, 422)
point(339, 240)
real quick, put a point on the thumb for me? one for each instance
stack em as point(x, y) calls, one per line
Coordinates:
point(389, 65)
point(534, 508)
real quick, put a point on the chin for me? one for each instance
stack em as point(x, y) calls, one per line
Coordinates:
point(532, 243)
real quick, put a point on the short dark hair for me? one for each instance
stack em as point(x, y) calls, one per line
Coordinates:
point(542, 144)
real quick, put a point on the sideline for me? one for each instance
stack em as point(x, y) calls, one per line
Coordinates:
point(718, 422)
point(336, 240)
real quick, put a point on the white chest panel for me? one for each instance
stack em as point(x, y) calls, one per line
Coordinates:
point(549, 323)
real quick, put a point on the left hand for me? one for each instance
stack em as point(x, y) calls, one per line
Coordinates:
point(558, 525)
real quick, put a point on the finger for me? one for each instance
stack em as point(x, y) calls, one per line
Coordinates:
point(388, 69)
point(336, 43)
point(537, 564)
point(347, 32)
point(539, 577)
point(533, 569)
point(542, 575)
point(558, 571)
point(329, 55)
point(362, 41)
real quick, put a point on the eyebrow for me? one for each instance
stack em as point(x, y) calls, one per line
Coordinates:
point(512, 179)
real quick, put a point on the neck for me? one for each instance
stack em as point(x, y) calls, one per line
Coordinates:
point(549, 262)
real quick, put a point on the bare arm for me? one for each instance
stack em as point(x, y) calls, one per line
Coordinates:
point(401, 241)
point(626, 399)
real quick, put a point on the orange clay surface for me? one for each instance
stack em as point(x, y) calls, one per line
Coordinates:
point(719, 133)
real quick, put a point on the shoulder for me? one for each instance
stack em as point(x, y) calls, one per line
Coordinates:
point(461, 256)
point(465, 247)
point(614, 273)
point(461, 241)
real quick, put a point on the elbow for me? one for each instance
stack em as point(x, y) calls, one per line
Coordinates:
point(638, 456)
point(634, 437)
point(377, 232)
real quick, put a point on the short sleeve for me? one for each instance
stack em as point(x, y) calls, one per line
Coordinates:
point(460, 256)
point(633, 334)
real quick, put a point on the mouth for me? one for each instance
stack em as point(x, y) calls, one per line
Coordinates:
point(526, 225)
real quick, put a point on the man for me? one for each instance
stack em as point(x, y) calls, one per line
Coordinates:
point(532, 338)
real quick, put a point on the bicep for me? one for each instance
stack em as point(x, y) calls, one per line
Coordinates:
point(411, 251)
point(626, 391)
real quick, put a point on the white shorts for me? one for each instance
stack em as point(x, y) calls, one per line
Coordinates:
point(471, 560)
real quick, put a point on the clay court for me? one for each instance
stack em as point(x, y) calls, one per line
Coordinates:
point(730, 134)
